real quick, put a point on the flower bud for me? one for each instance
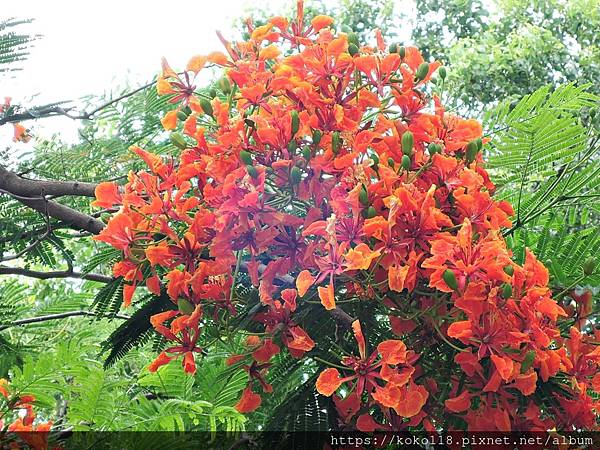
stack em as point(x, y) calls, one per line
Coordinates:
point(363, 196)
point(335, 142)
point(402, 52)
point(292, 146)
point(408, 142)
point(295, 175)
point(406, 162)
point(316, 136)
point(212, 92)
point(246, 158)
point(422, 71)
point(589, 266)
point(442, 72)
point(393, 48)
point(375, 159)
point(206, 106)
point(185, 307)
point(450, 279)
point(507, 291)
point(371, 212)
point(479, 142)
point(352, 49)
point(225, 85)
point(178, 141)
point(252, 171)
point(471, 152)
point(353, 39)
point(306, 153)
point(509, 270)
point(432, 148)
point(295, 122)
point(391, 162)
point(181, 115)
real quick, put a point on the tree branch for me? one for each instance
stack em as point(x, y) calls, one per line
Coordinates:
point(55, 274)
point(59, 316)
point(23, 187)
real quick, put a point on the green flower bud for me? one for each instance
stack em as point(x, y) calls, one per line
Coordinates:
point(292, 146)
point(316, 136)
point(225, 85)
point(353, 39)
point(393, 48)
point(432, 148)
point(589, 266)
point(185, 307)
point(363, 196)
point(246, 158)
point(509, 270)
point(181, 115)
point(471, 152)
point(507, 291)
point(252, 171)
point(178, 141)
point(352, 49)
point(295, 175)
point(442, 72)
point(335, 142)
point(295, 122)
point(402, 52)
point(371, 212)
point(187, 110)
point(391, 162)
point(422, 71)
point(450, 279)
point(479, 142)
point(375, 159)
point(206, 106)
point(212, 92)
point(306, 153)
point(406, 162)
point(408, 142)
point(528, 361)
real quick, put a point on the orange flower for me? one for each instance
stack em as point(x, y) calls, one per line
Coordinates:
point(248, 402)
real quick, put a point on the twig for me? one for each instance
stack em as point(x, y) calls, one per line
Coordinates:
point(64, 315)
point(54, 274)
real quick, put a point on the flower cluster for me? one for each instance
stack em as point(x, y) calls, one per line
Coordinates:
point(35, 435)
point(322, 168)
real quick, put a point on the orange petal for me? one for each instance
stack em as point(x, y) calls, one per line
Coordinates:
point(304, 282)
point(360, 257)
point(169, 122)
point(266, 352)
point(392, 352)
point(107, 195)
point(360, 339)
point(320, 22)
point(326, 294)
point(504, 366)
point(128, 291)
point(460, 403)
point(196, 63)
point(328, 382)
point(248, 402)
point(160, 360)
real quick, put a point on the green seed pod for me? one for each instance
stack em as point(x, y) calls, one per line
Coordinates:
point(507, 291)
point(402, 52)
point(371, 212)
point(225, 85)
point(406, 162)
point(252, 171)
point(408, 142)
point(185, 307)
point(306, 153)
point(246, 158)
point(589, 266)
point(391, 162)
point(442, 72)
point(352, 49)
point(181, 115)
point(450, 279)
point(178, 141)
point(316, 136)
point(471, 152)
point(363, 196)
point(528, 361)
point(295, 175)
point(375, 159)
point(393, 48)
point(295, 122)
point(422, 71)
point(335, 142)
point(206, 106)
point(509, 270)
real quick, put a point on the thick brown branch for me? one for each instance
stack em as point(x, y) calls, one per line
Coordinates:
point(59, 316)
point(54, 274)
point(11, 182)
